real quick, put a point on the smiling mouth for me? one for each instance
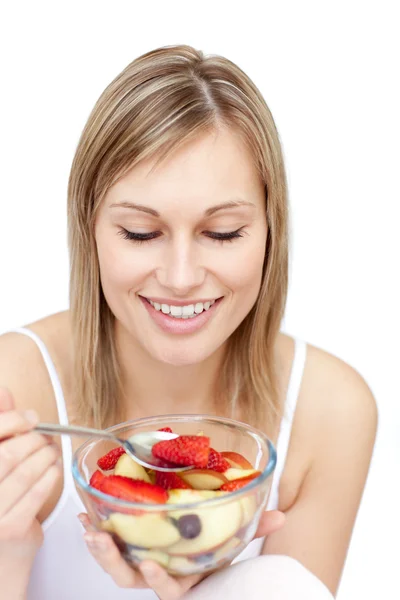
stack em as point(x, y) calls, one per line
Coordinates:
point(188, 311)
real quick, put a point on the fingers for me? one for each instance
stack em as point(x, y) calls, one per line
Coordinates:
point(270, 521)
point(103, 549)
point(151, 574)
point(84, 519)
point(22, 480)
point(14, 421)
point(165, 586)
point(26, 510)
point(16, 449)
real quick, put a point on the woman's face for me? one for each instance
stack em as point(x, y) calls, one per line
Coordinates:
point(181, 247)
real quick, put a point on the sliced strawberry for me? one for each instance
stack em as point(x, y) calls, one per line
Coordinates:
point(133, 490)
point(167, 429)
point(109, 460)
point(185, 450)
point(216, 462)
point(237, 484)
point(171, 481)
point(97, 479)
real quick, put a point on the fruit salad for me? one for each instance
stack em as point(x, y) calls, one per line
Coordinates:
point(182, 540)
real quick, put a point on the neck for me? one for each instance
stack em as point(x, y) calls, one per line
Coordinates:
point(152, 387)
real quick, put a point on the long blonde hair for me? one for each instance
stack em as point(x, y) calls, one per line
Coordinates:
point(161, 100)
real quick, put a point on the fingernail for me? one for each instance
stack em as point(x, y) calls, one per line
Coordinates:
point(31, 416)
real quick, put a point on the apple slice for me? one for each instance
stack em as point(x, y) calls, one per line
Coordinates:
point(227, 549)
point(212, 555)
point(127, 467)
point(216, 525)
point(146, 530)
point(180, 565)
point(249, 507)
point(238, 461)
point(160, 557)
point(106, 525)
point(232, 474)
point(203, 479)
point(181, 496)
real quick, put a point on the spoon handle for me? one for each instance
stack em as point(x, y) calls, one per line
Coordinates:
point(54, 428)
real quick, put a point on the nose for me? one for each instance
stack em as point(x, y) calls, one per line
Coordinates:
point(181, 270)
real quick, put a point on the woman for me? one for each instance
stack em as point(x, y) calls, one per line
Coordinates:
point(177, 208)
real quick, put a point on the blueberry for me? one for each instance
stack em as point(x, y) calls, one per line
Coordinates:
point(189, 526)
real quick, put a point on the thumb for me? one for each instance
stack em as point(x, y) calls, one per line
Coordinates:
point(270, 521)
point(6, 400)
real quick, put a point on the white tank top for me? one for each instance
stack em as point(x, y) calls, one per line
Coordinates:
point(63, 568)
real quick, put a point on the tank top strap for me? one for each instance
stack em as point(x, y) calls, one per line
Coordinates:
point(296, 376)
point(282, 445)
point(55, 382)
point(66, 443)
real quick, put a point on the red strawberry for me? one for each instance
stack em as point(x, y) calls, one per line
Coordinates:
point(171, 481)
point(167, 429)
point(217, 462)
point(109, 460)
point(237, 484)
point(186, 450)
point(133, 490)
point(96, 480)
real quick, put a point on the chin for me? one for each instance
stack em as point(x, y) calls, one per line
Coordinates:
point(180, 355)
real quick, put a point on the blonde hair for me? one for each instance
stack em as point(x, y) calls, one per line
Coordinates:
point(159, 101)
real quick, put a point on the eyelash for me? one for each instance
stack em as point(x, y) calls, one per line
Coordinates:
point(139, 238)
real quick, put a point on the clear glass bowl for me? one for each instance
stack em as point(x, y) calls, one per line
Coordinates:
point(225, 524)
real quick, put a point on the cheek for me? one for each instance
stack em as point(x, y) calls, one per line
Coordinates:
point(120, 268)
point(241, 271)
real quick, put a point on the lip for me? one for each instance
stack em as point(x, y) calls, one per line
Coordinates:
point(179, 326)
point(172, 302)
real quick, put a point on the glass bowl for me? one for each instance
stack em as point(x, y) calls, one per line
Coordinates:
point(196, 530)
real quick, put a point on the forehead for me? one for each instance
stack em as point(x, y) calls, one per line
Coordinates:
point(211, 168)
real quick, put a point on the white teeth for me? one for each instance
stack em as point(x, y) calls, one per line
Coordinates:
point(176, 311)
point(188, 310)
point(183, 312)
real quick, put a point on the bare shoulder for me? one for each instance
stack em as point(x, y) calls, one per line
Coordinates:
point(22, 368)
point(336, 397)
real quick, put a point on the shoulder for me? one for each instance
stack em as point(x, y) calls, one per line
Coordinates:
point(338, 396)
point(335, 403)
point(22, 369)
point(335, 412)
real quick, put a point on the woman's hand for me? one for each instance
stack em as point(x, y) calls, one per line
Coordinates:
point(28, 474)
point(150, 573)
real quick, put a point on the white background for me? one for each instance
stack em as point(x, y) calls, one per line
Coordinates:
point(329, 72)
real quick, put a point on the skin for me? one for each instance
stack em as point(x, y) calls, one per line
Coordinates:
point(335, 422)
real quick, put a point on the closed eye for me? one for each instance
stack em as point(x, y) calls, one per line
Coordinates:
point(218, 236)
point(228, 236)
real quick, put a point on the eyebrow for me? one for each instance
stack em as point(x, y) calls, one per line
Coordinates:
point(207, 213)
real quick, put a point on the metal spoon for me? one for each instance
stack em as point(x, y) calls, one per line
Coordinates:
point(138, 446)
